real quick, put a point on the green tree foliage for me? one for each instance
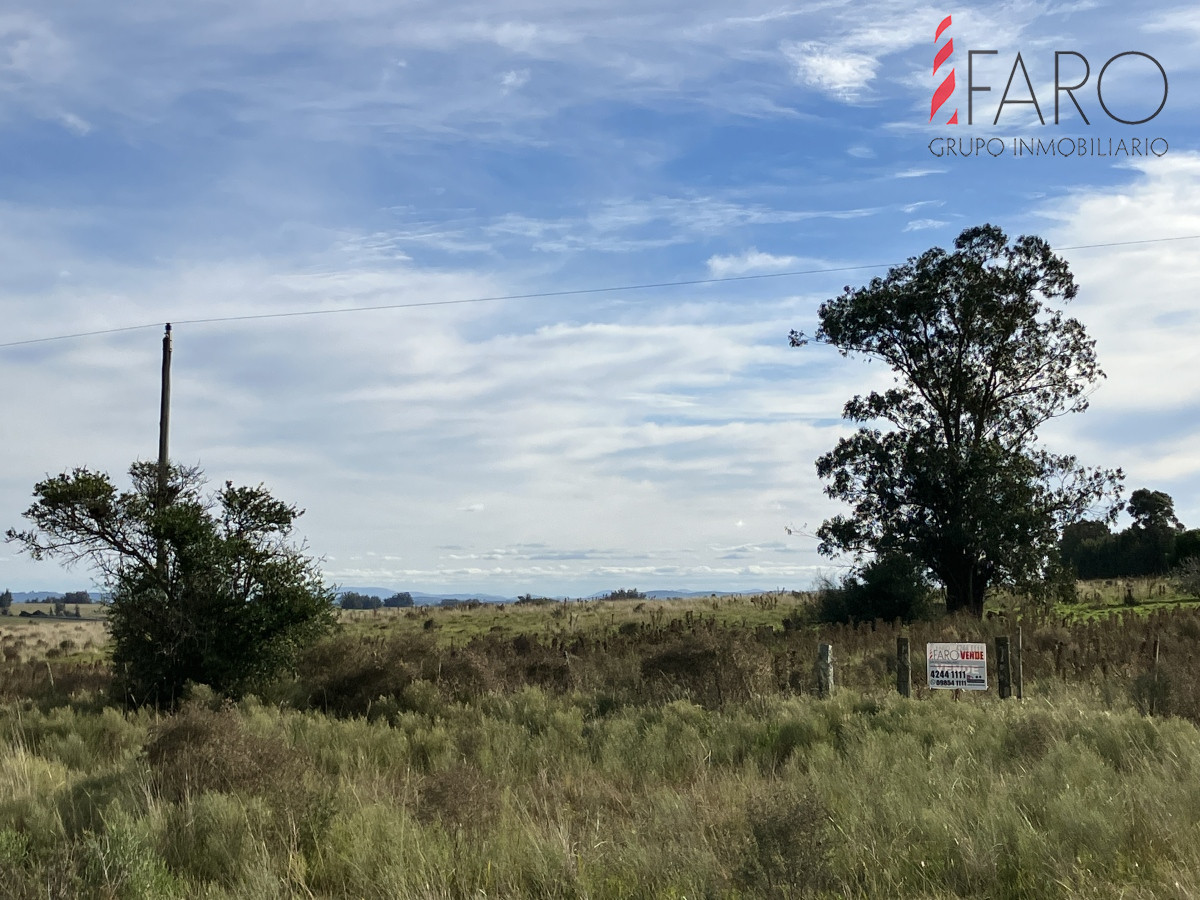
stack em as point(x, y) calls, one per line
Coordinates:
point(1187, 577)
point(1153, 509)
point(1153, 544)
point(946, 468)
point(76, 598)
point(1155, 528)
point(1187, 545)
point(626, 594)
point(205, 588)
point(355, 600)
point(888, 587)
point(531, 600)
point(6, 602)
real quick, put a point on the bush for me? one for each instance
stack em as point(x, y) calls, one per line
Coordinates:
point(889, 588)
point(199, 749)
point(530, 600)
point(204, 589)
point(788, 847)
point(345, 676)
point(1187, 577)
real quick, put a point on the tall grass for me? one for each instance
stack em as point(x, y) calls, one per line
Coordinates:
point(683, 757)
point(538, 795)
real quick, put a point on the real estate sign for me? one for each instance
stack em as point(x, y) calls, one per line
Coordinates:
point(957, 666)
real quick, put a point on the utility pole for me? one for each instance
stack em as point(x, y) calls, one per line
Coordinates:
point(164, 427)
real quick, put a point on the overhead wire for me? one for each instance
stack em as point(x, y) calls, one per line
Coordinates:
point(694, 282)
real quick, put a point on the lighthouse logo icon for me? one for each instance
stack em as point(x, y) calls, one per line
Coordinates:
point(946, 88)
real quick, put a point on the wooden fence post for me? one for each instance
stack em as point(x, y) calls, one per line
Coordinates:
point(1003, 669)
point(1154, 705)
point(903, 668)
point(1018, 666)
point(825, 670)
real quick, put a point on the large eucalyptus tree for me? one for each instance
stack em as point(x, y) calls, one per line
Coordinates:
point(947, 467)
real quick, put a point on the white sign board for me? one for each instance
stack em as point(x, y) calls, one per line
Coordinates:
point(957, 666)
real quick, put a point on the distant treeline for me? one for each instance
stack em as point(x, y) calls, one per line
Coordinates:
point(1154, 544)
point(354, 600)
point(70, 598)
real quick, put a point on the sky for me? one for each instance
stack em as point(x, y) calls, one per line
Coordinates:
point(213, 159)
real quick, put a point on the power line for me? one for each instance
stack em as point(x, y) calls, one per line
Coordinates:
point(532, 296)
point(423, 303)
point(81, 334)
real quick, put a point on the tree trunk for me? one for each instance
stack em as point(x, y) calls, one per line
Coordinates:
point(965, 586)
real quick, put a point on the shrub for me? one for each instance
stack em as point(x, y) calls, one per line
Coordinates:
point(199, 752)
point(1151, 694)
point(530, 600)
point(788, 847)
point(889, 588)
point(345, 676)
point(1187, 577)
point(203, 589)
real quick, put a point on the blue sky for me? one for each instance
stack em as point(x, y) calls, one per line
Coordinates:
point(174, 162)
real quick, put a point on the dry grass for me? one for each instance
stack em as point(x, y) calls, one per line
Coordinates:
point(613, 750)
point(38, 638)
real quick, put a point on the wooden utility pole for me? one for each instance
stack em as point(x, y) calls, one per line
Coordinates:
point(164, 415)
point(164, 428)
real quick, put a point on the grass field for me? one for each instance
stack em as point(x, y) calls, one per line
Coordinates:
point(614, 750)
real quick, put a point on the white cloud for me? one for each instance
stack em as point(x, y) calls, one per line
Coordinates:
point(514, 79)
point(1182, 20)
point(924, 224)
point(371, 420)
point(621, 226)
point(31, 49)
point(1138, 302)
point(266, 157)
point(73, 123)
point(753, 260)
point(844, 74)
point(917, 172)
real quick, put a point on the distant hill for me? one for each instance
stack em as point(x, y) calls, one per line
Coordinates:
point(420, 598)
